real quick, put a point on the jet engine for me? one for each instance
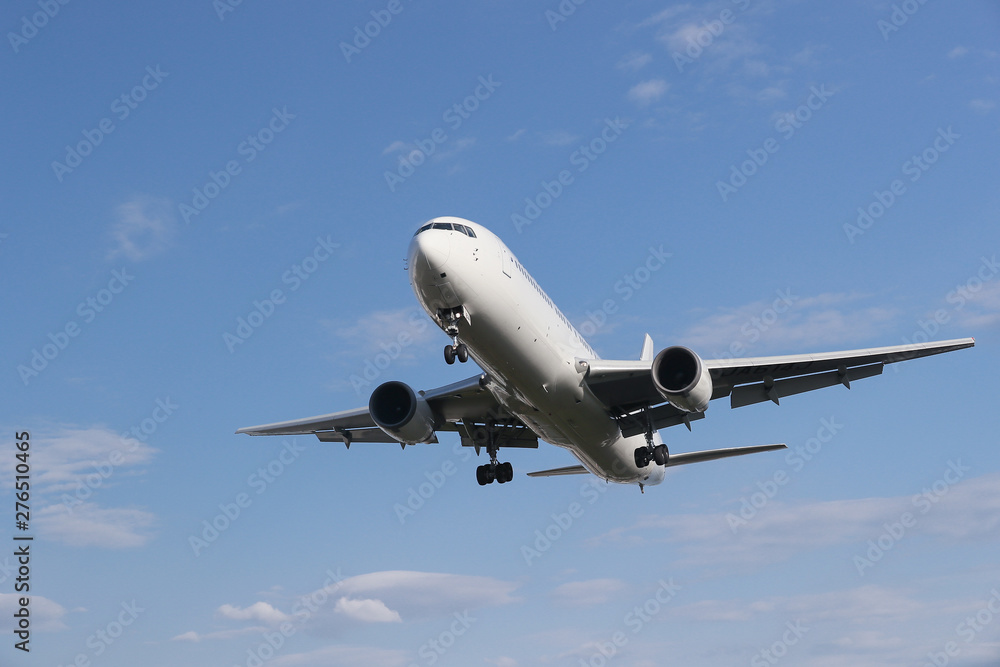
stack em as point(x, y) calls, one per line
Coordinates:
point(400, 413)
point(682, 379)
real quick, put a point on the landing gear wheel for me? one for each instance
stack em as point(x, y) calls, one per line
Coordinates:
point(483, 475)
point(505, 472)
point(660, 455)
point(449, 354)
point(642, 456)
point(462, 352)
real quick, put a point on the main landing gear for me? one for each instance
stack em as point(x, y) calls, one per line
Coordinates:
point(501, 472)
point(658, 454)
point(456, 350)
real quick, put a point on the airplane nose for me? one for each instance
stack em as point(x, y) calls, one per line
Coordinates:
point(433, 248)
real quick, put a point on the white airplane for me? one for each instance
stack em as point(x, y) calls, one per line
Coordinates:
point(542, 381)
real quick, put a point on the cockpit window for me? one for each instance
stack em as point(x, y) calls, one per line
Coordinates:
point(464, 229)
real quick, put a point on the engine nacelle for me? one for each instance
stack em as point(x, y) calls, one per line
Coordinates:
point(682, 379)
point(400, 413)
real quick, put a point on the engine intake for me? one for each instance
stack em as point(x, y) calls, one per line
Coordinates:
point(400, 413)
point(682, 379)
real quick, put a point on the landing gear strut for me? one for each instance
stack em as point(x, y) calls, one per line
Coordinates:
point(456, 350)
point(658, 454)
point(501, 472)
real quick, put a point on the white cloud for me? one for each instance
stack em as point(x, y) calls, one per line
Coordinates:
point(367, 611)
point(426, 594)
point(502, 661)
point(66, 457)
point(969, 510)
point(648, 91)
point(515, 135)
point(802, 323)
point(342, 655)
point(46, 615)
point(558, 138)
point(635, 61)
point(406, 329)
point(982, 106)
point(958, 52)
point(665, 15)
point(192, 636)
point(398, 147)
point(89, 525)
point(587, 593)
point(980, 309)
point(261, 612)
point(145, 226)
point(73, 466)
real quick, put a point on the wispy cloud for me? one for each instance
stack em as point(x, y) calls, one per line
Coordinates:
point(74, 466)
point(969, 511)
point(143, 227)
point(794, 322)
point(587, 593)
point(648, 92)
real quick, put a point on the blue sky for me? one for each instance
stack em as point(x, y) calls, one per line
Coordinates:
point(823, 178)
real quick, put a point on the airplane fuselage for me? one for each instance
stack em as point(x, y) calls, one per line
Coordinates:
point(527, 347)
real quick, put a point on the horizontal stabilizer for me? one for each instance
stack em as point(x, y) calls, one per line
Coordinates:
point(555, 472)
point(712, 454)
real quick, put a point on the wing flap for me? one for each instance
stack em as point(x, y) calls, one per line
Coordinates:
point(748, 394)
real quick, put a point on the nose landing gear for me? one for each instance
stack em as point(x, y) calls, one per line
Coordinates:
point(456, 350)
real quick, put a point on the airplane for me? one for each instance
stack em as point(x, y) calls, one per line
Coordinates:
point(541, 381)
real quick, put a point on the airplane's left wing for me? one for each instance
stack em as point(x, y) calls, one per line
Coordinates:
point(463, 406)
point(628, 390)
